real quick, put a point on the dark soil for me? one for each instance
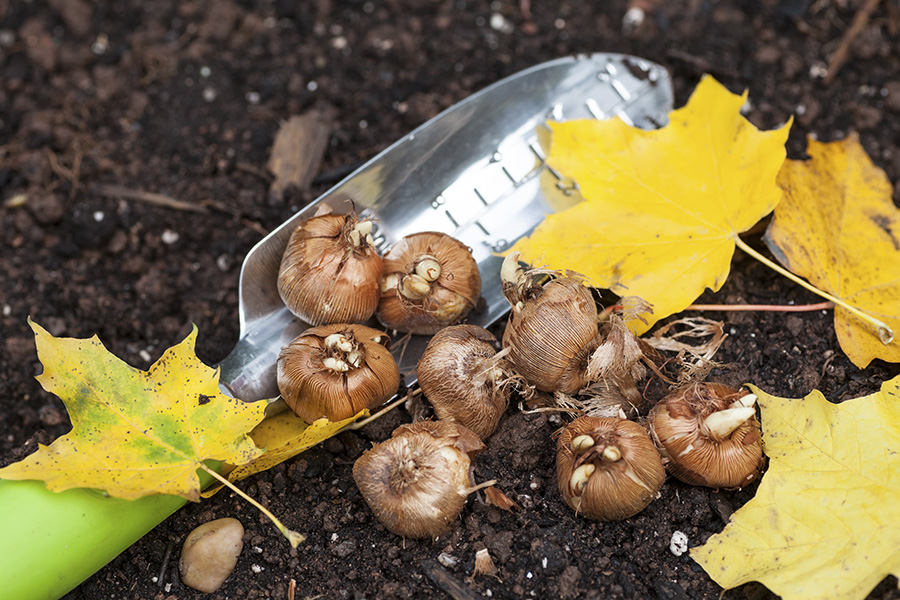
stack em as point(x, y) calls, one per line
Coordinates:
point(184, 98)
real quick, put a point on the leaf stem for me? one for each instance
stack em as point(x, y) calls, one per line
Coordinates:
point(762, 307)
point(293, 537)
point(885, 334)
point(382, 412)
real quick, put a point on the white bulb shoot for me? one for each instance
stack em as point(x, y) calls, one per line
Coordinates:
point(723, 423)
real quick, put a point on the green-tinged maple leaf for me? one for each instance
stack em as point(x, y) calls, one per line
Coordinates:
point(825, 521)
point(136, 433)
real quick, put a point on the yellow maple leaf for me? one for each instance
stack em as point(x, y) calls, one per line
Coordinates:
point(825, 521)
point(838, 227)
point(283, 436)
point(136, 433)
point(663, 208)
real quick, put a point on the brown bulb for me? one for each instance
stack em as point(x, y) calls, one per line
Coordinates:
point(552, 328)
point(417, 482)
point(330, 270)
point(430, 281)
point(608, 468)
point(463, 378)
point(708, 435)
point(335, 371)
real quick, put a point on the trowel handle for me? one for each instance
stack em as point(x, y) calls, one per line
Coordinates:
point(54, 541)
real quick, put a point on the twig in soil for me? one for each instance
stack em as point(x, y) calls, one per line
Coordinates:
point(701, 64)
point(860, 20)
point(118, 191)
point(762, 307)
point(335, 175)
point(292, 589)
point(72, 175)
point(165, 563)
point(224, 208)
point(253, 170)
point(445, 582)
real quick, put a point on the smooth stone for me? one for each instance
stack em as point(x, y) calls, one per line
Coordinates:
point(210, 553)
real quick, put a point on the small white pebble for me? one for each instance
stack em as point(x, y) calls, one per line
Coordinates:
point(252, 97)
point(634, 18)
point(7, 310)
point(312, 86)
point(154, 579)
point(223, 262)
point(529, 574)
point(679, 543)
point(499, 23)
point(169, 237)
point(99, 216)
point(8, 38)
point(168, 587)
point(205, 71)
point(544, 562)
point(145, 356)
point(559, 23)
point(257, 569)
point(448, 560)
point(100, 44)
point(257, 549)
point(209, 94)
point(818, 70)
point(334, 537)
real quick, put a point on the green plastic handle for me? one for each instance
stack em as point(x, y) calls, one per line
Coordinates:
point(54, 541)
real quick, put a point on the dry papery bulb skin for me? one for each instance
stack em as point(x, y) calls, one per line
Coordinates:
point(607, 467)
point(330, 270)
point(417, 481)
point(552, 328)
point(708, 435)
point(335, 371)
point(430, 280)
point(463, 378)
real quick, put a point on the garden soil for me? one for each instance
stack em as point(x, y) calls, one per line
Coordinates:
point(183, 99)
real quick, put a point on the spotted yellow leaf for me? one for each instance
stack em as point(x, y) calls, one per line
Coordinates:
point(662, 208)
point(838, 227)
point(136, 433)
point(825, 520)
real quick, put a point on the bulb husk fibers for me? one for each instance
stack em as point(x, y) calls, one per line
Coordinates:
point(335, 371)
point(615, 469)
point(695, 454)
point(552, 328)
point(430, 280)
point(463, 378)
point(417, 481)
point(330, 270)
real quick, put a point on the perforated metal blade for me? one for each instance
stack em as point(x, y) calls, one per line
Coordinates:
point(477, 172)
